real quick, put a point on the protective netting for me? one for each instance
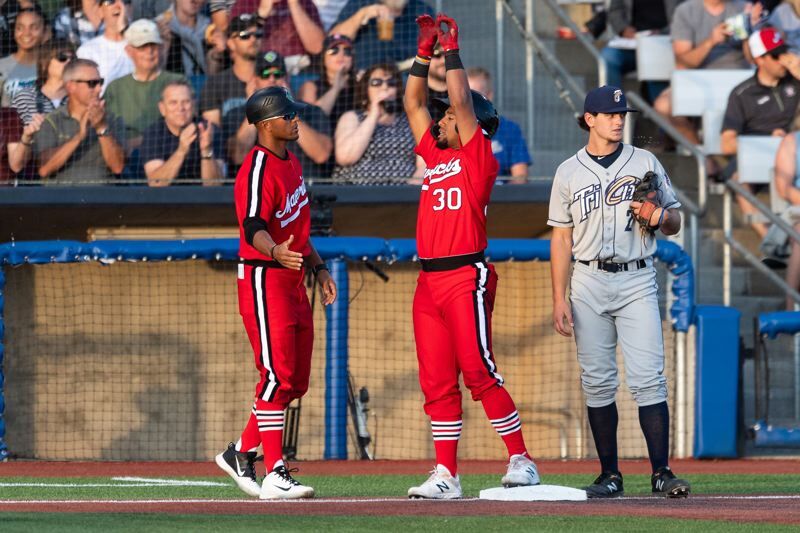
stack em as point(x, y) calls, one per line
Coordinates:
point(150, 361)
point(167, 80)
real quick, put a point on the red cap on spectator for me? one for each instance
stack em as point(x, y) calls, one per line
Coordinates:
point(766, 40)
point(336, 38)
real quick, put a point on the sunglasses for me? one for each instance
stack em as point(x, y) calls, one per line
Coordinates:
point(258, 34)
point(288, 117)
point(275, 73)
point(63, 57)
point(91, 83)
point(333, 50)
point(377, 82)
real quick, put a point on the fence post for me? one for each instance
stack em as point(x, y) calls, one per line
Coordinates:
point(3, 448)
point(336, 356)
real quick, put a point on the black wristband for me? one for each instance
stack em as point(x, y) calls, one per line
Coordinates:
point(319, 268)
point(419, 70)
point(452, 61)
point(272, 250)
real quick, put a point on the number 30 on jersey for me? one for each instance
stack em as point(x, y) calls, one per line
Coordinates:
point(447, 198)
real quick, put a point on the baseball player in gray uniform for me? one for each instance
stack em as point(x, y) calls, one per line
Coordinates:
point(613, 288)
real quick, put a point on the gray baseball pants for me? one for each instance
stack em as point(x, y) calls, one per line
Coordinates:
point(623, 306)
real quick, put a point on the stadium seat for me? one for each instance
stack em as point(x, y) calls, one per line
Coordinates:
point(695, 91)
point(712, 124)
point(755, 157)
point(655, 59)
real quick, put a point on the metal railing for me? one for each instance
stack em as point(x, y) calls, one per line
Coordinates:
point(730, 242)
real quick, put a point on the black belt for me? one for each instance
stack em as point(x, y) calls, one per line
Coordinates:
point(442, 264)
point(261, 263)
point(608, 266)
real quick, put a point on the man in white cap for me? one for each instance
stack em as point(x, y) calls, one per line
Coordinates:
point(135, 97)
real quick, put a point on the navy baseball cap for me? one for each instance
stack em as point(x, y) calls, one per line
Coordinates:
point(606, 99)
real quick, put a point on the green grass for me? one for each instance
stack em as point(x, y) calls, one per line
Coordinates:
point(380, 486)
point(365, 486)
point(138, 523)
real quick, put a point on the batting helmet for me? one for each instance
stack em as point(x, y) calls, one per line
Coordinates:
point(270, 103)
point(484, 112)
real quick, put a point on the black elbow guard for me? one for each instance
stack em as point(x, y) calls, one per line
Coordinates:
point(253, 225)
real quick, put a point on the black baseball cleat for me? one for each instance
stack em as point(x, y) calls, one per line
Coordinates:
point(666, 484)
point(607, 485)
point(239, 465)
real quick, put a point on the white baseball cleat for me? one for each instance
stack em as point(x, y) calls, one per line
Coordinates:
point(239, 465)
point(521, 472)
point(441, 485)
point(279, 484)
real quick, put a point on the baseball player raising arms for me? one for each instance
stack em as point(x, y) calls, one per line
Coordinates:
point(456, 289)
point(274, 246)
point(613, 290)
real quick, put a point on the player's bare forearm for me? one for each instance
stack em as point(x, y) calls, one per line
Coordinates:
point(262, 241)
point(672, 222)
point(327, 287)
point(313, 259)
point(415, 102)
point(560, 260)
point(461, 99)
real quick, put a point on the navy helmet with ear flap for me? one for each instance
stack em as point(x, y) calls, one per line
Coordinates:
point(485, 112)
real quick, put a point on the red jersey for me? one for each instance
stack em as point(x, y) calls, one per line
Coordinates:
point(455, 193)
point(272, 189)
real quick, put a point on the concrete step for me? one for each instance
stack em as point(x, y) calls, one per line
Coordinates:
point(710, 288)
point(713, 240)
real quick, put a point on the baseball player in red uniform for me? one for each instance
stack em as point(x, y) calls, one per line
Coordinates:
point(274, 246)
point(455, 291)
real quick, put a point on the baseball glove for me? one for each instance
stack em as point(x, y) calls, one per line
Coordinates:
point(646, 193)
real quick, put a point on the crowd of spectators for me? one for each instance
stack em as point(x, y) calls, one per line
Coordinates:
point(153, 91)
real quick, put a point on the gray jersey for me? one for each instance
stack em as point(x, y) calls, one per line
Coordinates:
point(595, 201)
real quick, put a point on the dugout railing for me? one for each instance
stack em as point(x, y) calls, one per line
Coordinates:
point(134, 350)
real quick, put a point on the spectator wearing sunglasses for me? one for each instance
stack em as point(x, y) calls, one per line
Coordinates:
point(49, 92)
point(291, 27)
point(78, 21)
point(80, 143)
point(18, 70)
point(108, 49)
point(373, 143)
point(359, 21)
point(762, 105)
point(314, 145)
point(226, 90)
point(34, 103)
point(334, 90)
point(180, 149)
